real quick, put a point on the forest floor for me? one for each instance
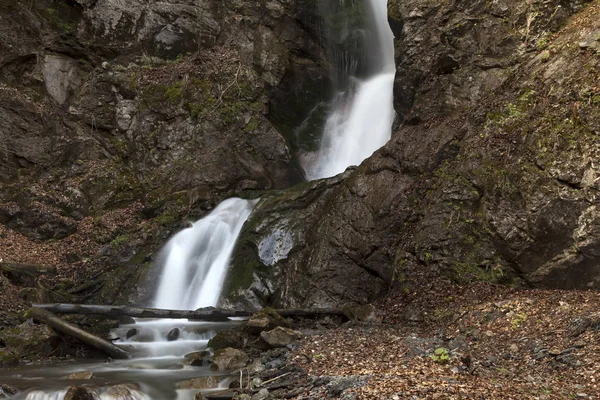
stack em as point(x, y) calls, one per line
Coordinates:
point(478, 341)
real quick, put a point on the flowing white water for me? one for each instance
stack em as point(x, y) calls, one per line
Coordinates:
point(362, 114)
point(197, 258)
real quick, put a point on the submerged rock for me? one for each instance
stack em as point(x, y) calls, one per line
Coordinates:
point(198, 358)
point(81, 393)
point(229, 359)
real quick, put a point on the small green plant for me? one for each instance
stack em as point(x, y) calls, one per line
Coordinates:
point(517, 321)
point(441, 355)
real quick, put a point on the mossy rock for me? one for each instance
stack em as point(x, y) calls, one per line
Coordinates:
point(225, 339)
point(265, 320)
point(29, 340)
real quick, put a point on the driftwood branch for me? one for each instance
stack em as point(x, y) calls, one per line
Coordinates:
point(207, 314)
point(67, 328)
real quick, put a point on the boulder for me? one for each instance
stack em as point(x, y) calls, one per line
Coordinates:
point(229, 359)
point(199, 396)
point(30, 340)
point(228, 338)
point(280, 336)
point(198, 359)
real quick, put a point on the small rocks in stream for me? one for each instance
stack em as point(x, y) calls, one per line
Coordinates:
point(81, 375)
point(7, 391)
point(198, 359)
point(229, 359)
point(199, 396)
point(123, 391)
point(80, 393)
point(173, 334)
point(204, 382)
point(280, 336)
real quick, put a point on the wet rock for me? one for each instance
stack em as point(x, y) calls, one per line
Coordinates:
point(7, 391)
point(173, 334)
point(242, 396)
point(81, 393)
point(199, 396)
point(280, 336)
point(127, 391)
point(204, 382)
point(229, 359)
point(81, 375)
point(198, 359)
point(131, 333)
point(228, 338)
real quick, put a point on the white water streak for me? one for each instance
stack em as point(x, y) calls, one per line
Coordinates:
point(198, 258)
point(362, 116)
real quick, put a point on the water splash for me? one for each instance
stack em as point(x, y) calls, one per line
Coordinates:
point(362, 111)
point(197, 258)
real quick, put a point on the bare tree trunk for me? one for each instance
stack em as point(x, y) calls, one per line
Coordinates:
point(67, 328)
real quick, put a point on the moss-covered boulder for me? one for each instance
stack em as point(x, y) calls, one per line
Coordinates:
point(264, 320)
point(29, 340)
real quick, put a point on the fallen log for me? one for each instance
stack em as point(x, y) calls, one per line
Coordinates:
point(203, 314)
point(67, 328)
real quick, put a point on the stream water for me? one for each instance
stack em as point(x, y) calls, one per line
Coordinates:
point(195, 261)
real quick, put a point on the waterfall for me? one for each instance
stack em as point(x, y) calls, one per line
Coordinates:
point(362, 113)
point(196, 259)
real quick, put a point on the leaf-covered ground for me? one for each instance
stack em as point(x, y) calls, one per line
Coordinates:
point(474, 342)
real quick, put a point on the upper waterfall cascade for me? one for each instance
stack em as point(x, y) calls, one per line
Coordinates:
point(362, 113)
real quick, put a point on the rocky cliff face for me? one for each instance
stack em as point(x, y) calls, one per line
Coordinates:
point(122, 119)
point(490, 175)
